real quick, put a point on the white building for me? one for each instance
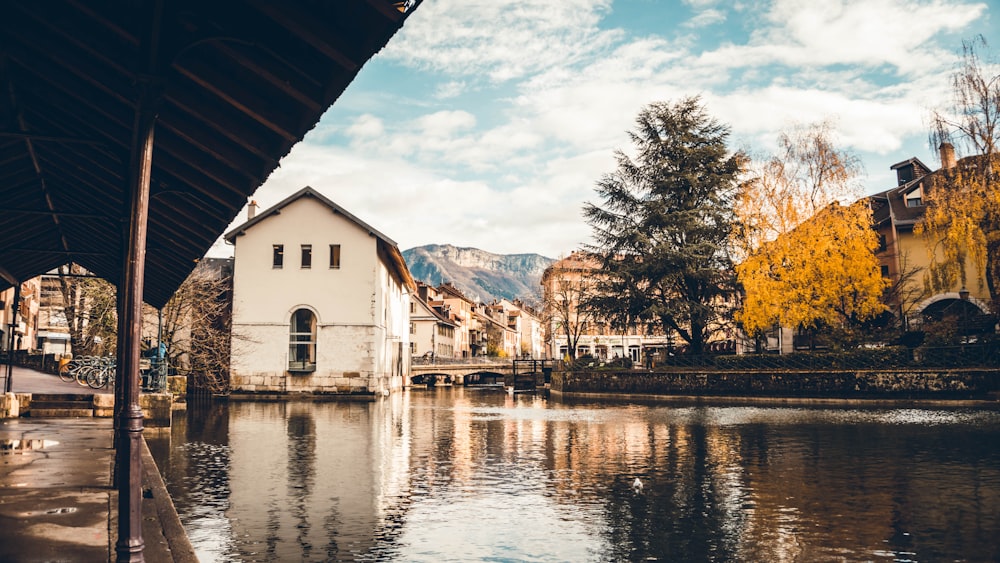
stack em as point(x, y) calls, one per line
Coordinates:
point(432, 334)
point(321, 302)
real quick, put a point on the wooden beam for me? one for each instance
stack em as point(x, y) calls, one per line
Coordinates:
point(49, 138)
point(77, 215)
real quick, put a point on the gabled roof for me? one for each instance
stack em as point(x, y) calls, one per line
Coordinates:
point(239, 82)
point(911, 161)
point(450, 291)
point(438, 316)
point(387, 248)
point(890, 205)
point(304, 192)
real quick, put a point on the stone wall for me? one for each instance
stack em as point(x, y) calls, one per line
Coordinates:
point(888, 384)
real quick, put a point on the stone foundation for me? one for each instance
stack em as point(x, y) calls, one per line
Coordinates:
point(886, 384)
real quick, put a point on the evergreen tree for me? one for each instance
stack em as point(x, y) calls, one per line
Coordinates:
point(664, 224)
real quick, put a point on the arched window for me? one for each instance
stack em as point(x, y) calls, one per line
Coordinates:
point(302, 341)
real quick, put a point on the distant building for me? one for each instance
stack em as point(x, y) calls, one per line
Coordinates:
point(321, 302)
point(469, 341)
point(432, 333)
point(564, 284)
point(20, 331)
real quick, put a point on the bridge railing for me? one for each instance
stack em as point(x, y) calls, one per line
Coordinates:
point(475, 360)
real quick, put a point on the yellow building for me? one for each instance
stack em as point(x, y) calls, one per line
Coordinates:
point(904, 255)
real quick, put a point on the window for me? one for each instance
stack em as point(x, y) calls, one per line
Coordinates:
point(278, 258)
point(885, 270)
point(335, 256)
point(413, 308)
point(413, 348)
point(413, 328)
point(915, 198)
point(307, 256)
point(882, 244)
point(302, 341)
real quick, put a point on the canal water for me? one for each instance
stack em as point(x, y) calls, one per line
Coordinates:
point(460, 474)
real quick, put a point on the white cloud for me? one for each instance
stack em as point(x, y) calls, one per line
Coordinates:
point(504, 39)
point(868, 33)
point(706, 18)
point(366, 126)
point(450, 89)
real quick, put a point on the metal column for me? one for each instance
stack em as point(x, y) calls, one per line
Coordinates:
point(128, 412)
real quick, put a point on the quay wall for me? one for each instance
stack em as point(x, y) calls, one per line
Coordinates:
point(973, 384)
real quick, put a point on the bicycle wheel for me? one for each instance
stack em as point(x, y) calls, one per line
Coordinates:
point(67, 373)
point(82, 373)
point(97, 379)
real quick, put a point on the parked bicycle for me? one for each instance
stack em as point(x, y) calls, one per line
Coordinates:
point(92, 371)
point(103, 374)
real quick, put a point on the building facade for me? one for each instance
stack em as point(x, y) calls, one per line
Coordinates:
point(572, 332)
point(432, 334)
point(321, 302)
point(904, 256)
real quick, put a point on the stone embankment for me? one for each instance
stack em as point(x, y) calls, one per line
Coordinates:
point(940, 384)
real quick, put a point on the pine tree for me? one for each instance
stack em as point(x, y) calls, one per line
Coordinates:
point(664, 223)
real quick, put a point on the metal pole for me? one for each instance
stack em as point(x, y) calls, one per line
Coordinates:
point(128, 456)
point(128, 460)
point(14, 310)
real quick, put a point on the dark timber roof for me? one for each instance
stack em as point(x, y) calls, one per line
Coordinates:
point(242, 81)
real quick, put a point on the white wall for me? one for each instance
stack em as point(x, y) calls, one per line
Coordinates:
point(356, 311)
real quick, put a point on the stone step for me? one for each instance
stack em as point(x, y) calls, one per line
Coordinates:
point(59, 413)
point(41, 397)
point(88, 404)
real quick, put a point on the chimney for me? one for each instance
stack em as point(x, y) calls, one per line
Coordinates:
point(251, 209)
point(947, 156)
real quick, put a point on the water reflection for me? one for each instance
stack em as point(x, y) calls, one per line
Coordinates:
point(465, 475)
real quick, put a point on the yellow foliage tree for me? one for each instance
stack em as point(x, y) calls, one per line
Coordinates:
point(822, 273)
point(807, 174)
point(808, 261)
point(962, 221)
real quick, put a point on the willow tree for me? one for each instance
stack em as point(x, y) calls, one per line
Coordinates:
point(664, 222)
point(961, 224)
point(809, 262)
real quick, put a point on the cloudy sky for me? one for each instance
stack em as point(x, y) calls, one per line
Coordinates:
point(486, 123)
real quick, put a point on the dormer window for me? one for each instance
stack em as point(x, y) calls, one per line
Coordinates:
point(915, 198)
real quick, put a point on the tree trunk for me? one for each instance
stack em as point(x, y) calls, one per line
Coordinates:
point(993, 272)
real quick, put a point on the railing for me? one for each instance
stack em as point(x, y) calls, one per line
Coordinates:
point(475, 360)
point(985, 355)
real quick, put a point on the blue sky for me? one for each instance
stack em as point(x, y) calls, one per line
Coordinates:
point(487, 123)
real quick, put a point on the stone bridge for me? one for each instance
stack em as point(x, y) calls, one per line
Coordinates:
point(473, 372)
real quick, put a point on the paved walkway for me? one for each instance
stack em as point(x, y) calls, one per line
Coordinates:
point(57, 502)
point(31, 381)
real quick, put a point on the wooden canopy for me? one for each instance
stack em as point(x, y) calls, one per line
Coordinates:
point(235, 84)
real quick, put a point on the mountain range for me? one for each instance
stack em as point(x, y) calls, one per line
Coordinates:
point(482, 276)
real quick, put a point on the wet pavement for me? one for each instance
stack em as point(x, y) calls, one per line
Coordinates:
point(57, 502)
point(55, 489)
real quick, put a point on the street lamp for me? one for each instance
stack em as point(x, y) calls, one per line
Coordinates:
point(963, 294)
